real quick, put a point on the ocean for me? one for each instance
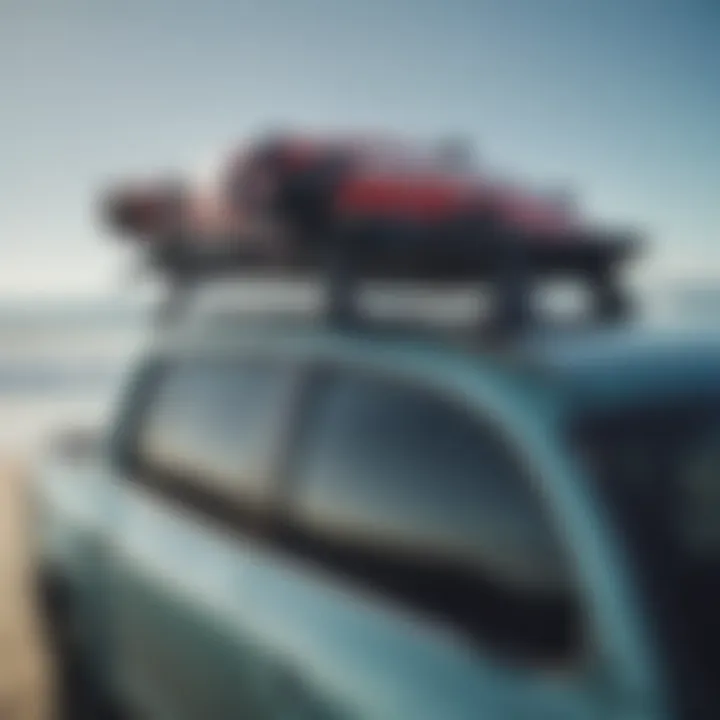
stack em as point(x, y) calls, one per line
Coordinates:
point(60, 367)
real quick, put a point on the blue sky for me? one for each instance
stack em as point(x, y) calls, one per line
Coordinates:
point(619, 99)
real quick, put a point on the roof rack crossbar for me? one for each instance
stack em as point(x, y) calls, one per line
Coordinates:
point(509, 264)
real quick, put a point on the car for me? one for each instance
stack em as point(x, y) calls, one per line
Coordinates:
point(310, 522)
point(330, 516)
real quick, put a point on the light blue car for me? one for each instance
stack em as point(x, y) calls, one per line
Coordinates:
point(292, 522)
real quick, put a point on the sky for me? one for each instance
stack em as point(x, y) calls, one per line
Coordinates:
point(617, 99)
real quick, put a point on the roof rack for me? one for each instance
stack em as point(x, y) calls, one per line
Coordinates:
point(510, 266)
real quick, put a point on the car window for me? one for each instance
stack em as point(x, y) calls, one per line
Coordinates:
point(412, 492)
point(655, 466)
point(216, 423)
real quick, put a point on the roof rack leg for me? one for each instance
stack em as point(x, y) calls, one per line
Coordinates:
point(342, 282)
point(174, 304)
point(513, 289)
point(611, 302)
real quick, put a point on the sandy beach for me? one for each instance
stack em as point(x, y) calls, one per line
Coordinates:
point(25, 678)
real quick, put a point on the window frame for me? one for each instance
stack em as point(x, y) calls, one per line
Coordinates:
point(322, 371)
point(313, 379)
point(205, 499)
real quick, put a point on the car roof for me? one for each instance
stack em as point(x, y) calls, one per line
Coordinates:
point(590, 366)
point(632, 364)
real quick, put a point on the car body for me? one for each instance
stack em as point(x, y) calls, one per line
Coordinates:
point(294, 521)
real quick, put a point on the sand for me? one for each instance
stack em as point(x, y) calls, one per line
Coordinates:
point(25, 678)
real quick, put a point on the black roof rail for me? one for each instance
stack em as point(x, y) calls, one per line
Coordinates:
point(509, 264)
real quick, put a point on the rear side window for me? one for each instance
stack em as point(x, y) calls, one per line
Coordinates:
point(217, 424)
point(413, 494)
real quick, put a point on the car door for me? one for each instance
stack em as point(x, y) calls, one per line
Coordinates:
point(190, 512)
point(415, 573)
